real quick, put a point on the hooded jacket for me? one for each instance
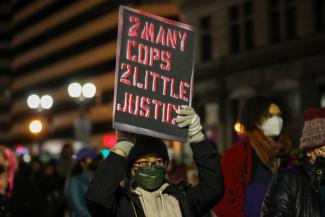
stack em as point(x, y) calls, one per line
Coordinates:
point(108, 196)
point(294, 192)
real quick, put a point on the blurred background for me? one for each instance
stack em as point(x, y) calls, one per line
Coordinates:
point(57, 62)
point(243, 47)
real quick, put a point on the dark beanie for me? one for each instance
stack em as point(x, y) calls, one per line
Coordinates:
point(147, 145)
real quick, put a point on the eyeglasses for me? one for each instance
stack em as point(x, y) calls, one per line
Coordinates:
point(147, 164)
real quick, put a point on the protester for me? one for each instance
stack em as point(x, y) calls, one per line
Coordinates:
point(66, 160)
point(8, 166)
point(249, 165)
point(19, 195)
point(77, 184)
point(52, 186)
point(300, 190)
point(131, 180)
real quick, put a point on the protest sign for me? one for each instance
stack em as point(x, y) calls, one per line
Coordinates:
point(154, 74)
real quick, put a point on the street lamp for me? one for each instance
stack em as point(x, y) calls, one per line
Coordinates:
point(40, 103)
point(36, 126)
point(82, 95)
point(82, 92)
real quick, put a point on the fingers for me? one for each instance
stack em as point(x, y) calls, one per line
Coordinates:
point(185, 123)
point(185, 110)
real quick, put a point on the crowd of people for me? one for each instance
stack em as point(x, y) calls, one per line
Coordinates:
point(262, 174)
point(49, 187)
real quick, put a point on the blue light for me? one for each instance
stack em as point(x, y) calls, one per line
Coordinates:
point(105, 152)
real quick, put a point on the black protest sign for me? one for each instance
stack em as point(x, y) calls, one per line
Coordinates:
point(154, 74)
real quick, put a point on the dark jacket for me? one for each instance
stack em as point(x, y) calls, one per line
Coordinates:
point(294, 192)
point(5, 209)
point(26, 199)
point(107, 197)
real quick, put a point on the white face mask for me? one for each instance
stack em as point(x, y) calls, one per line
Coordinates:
point(272, 126)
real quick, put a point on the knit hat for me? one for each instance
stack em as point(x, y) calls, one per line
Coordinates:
point(313, 134)
point(147, 145)
point(86, 152)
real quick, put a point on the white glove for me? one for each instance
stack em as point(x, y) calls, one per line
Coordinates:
point(187, 117)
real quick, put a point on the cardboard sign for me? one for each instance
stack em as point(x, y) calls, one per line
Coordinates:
point(154, 74)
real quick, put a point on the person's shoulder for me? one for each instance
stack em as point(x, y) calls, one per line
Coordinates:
point(237, 150)
point(290, 173)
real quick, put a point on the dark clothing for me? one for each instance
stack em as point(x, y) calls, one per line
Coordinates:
point(256, 190)
point(26, 199)
point(294, 192)
point(52, 188)
point(5, 209)
point(107, 197)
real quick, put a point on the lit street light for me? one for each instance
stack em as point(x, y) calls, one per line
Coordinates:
point(35, 126)
point(82, 95)
point(40, 103)
point(86, 91)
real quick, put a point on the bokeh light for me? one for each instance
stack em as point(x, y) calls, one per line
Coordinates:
point(35, 126)
point(33, 101)
point(75, 90)
point(89, 90)
point(46, 102)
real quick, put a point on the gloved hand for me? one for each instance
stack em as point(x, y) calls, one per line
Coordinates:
point(125, 136)
point(125, 141)
point(187, 117)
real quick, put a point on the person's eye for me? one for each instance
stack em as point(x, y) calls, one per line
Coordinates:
point(144, 164)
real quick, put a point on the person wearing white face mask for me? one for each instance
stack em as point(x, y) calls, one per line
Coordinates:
point(249, 165)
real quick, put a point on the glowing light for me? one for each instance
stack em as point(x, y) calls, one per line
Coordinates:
point(33, 101)
point(105, 152)
point(109, 140)
point(35, 126)
point(75, 90)
point(46, 102)
point(239, 128)
point(27, 158)
point(89, 90)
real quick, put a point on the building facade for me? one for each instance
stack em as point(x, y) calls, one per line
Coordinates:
point(55, 43)
point(5, 58)
point(248, 47)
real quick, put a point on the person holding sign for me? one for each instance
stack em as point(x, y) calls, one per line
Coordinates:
point(131, 181)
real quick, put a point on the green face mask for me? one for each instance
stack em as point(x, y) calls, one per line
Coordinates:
point(150, 178)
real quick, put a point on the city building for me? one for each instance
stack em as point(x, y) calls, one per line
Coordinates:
point(5, 57)
point(54, 43)
point(247, 47)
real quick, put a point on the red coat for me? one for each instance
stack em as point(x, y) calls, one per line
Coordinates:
point(233, 162)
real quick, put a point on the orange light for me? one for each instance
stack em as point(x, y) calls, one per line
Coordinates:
point(239, 128)
point(36, 126)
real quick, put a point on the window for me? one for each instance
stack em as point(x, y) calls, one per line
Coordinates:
point(282, 20)
point(206, 38)
point(319, 15)
point(241, 27)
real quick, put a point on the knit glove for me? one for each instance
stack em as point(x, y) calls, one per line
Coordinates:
point(187, 117)
point(125, 141)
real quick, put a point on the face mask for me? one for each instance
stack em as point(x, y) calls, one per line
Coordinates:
point(150, 178)
point(272, 126)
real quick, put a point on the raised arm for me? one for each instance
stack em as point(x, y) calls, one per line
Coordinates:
point(104, 189)
point(210, 189)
